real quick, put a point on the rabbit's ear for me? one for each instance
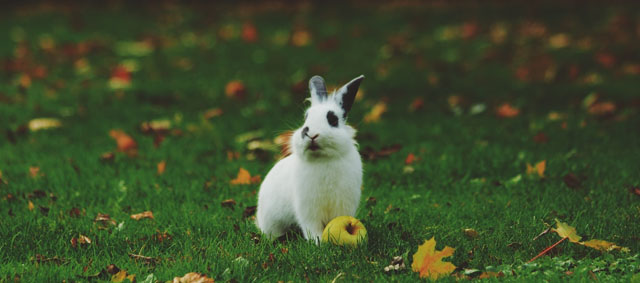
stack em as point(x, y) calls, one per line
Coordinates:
point(318, 90)
point(347, 94)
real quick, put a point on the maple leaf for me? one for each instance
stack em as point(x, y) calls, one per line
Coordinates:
point(376, 112)
point(162, 165)
point(602, 245)
point(428, 262)
point(193, 277)
point(537, 169)
point(566, 231)
point(146, 214)
point(245, 178)
point(125, 143)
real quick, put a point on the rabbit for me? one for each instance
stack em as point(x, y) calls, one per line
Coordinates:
point(322, 178)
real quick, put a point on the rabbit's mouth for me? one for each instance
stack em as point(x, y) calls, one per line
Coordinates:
point(313, 146)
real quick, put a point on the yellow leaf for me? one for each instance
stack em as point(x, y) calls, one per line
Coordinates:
point(193, 277)
point(428, 262)
point(376, 112)
point(146, 214)
point(566, 231)
point(245, 178)
point(31, 206)
point(603, 245)
point(121, 276)
point(537, 169)
point(44, 124)
point(162, 165)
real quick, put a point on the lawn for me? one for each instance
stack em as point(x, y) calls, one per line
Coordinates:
point(478, 125)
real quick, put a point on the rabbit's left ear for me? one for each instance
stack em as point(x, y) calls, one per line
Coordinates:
point(347, 94)
point(318, 90)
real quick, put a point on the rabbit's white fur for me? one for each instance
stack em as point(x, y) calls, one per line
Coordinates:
point(312, 186)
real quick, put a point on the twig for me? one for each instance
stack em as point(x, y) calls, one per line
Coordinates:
point(547, 249)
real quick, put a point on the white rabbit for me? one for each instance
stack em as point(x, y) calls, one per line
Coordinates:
point(322, 178)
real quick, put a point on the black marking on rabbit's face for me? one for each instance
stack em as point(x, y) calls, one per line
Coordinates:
point(332, 119)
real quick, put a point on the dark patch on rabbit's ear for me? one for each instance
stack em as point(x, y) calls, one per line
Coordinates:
point(347, 94)
point(318, 89)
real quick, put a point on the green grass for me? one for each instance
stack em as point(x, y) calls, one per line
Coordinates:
point(464, 177)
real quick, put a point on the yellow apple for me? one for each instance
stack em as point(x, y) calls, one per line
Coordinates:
point(344, 230)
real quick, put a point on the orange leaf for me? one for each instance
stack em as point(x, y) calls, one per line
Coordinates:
point(375, 113)
point(507, 111)
point(300, 38)
point(601, 108)
point(249, 32)
point(34, 171)
point(146, 214)
point(410, 159)
point(125, 143)
point(245, 178)
point(161, 167)
point(566, 231)
point(428, 262)
point(193, 277)
point(235, 89)
point(537, 169)
point(30, 206)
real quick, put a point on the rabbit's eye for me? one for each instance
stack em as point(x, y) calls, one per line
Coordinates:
point(332, 119)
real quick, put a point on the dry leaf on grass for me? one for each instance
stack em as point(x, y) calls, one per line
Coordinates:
point(245, 178)
point(507, 111)
point(566, 231)
point(125, 143)
point(162, 165)
point(121, 276)
point(376, 112)
point(193, 277)
point(235, 89)
point(428, 262)
point(537, 169)
point(44, 124)
point(146, 214)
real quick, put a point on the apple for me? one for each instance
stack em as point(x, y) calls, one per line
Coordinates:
point(344, 230)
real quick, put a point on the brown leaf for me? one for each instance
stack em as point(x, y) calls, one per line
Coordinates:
point(107, 157)
point(34, 172)
point(505, 110)
point(249, 211)
point(370, 154)
point(635, 190)
point(471, 233)
point(125, 143)
point(228, 203)
point(104, 220)
point(211, 113)
point(145, 259)
point(572, 181)
point(541, 138)
point(112, 269)
point(235, 89)
point(146, 214)
point(193, 277)
point(161, 167)
point(602, 108)
point(249, 32)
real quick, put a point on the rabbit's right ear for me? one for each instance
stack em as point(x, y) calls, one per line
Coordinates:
point(318, 90)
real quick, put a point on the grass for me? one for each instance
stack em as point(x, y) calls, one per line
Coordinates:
point(465, 176)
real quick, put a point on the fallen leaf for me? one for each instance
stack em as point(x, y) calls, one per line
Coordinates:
point(125, 143)
point(505, 110)
point(245, 178)
point(249, 33)
point(602, 108)
point(107, 157)
point(470, 233)
point(603, 245)
point(120, 78)
point(193, 277)
point(211, 113)
point(636, 191)
point(416, 104)
point(235, 89)
point(249, 211)
point(34, 171)
point(376, 112)
point(371, 154)
point(104, 220)
point(161, 167)
point(410, 159)
point(490, 274)
point(572, 181)
point(300, 37)
point(146, 259)
point(121, 276)
point(428, 262)
point(146, 214)
point(229, 203)
point(566, 231)
point(44, 124)
point(537, 169)
point(30, 206)
point(540, 138)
